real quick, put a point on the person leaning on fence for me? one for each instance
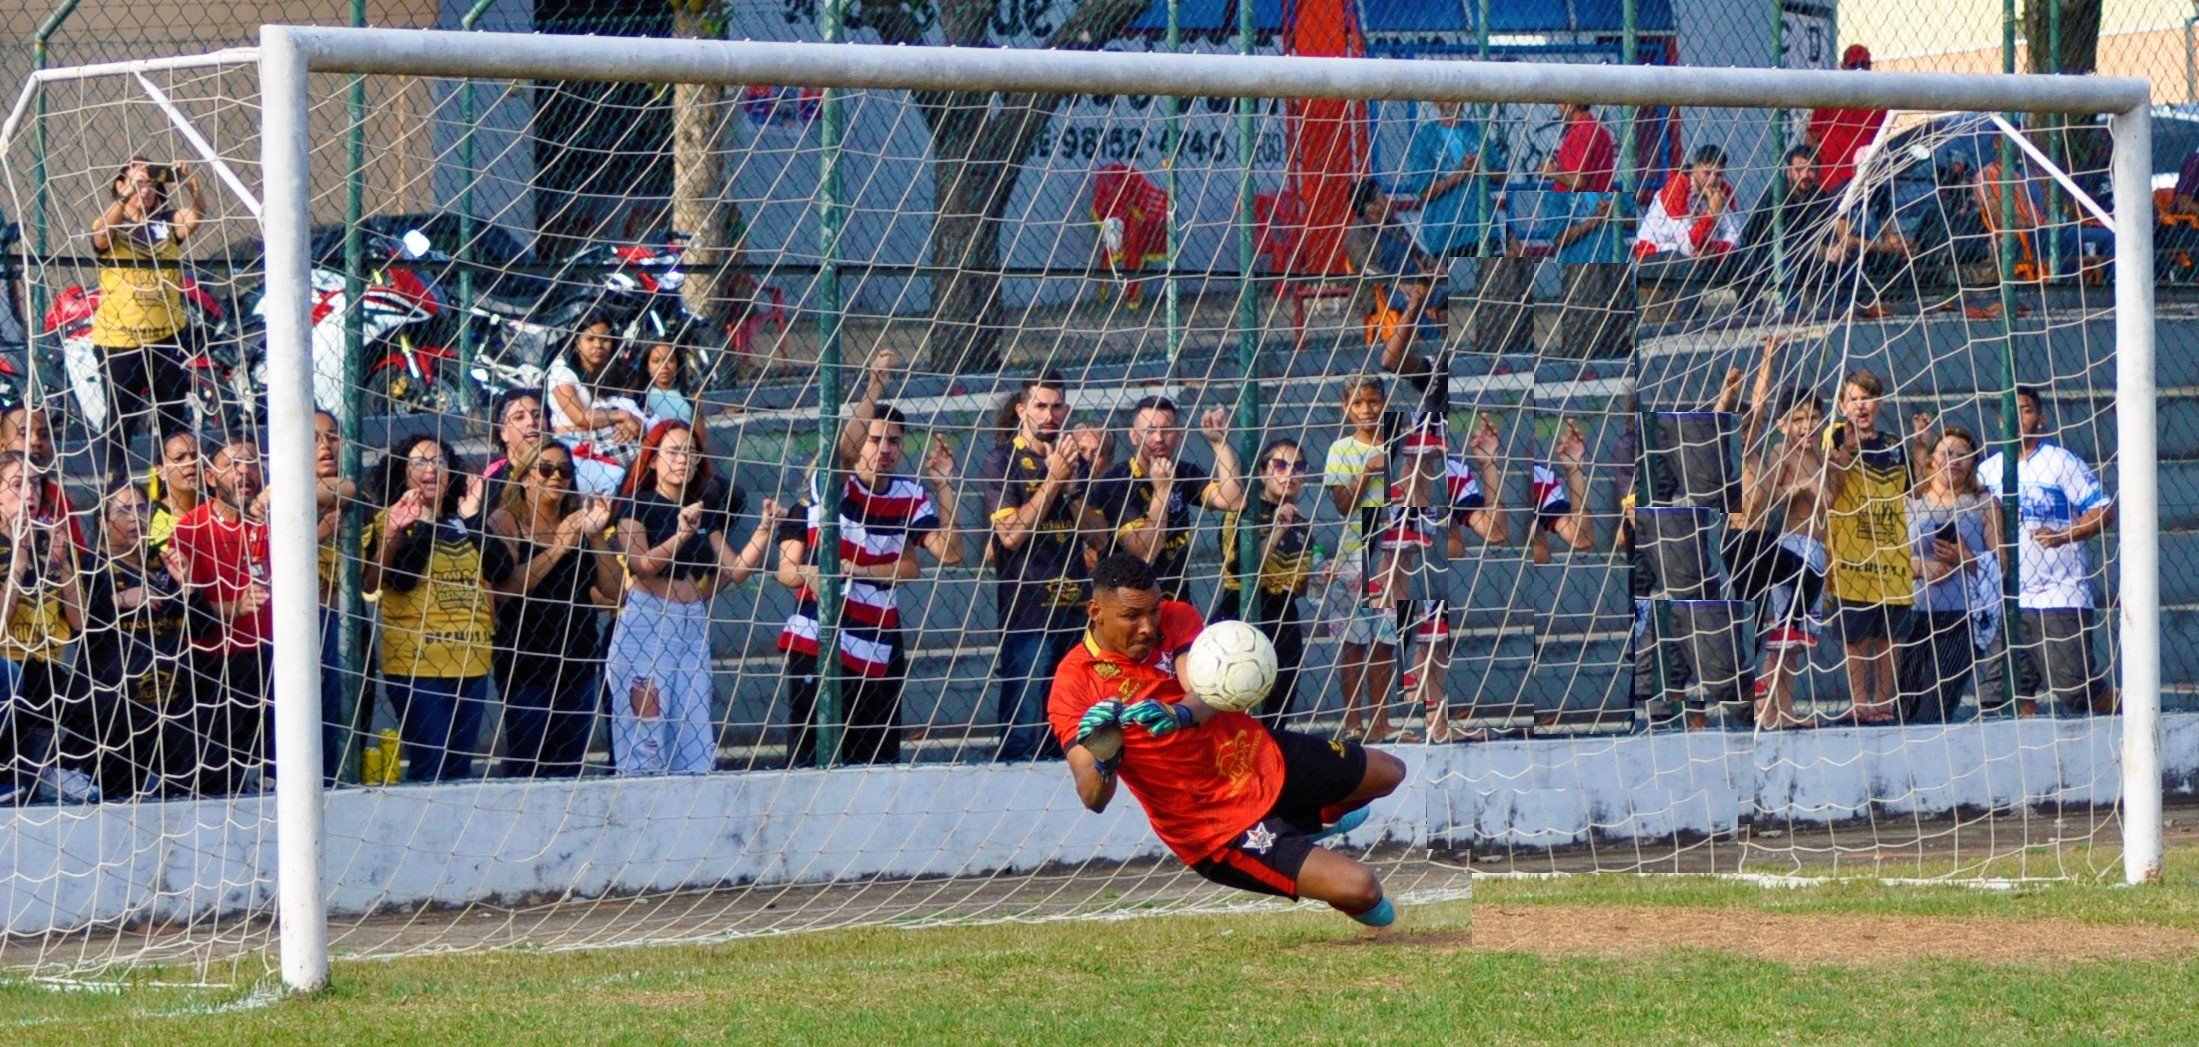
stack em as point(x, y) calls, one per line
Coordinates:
point(131, 657)
point(675, 518)
point(1954, 528)
point(1774, 547)
point(884, 520)
point(51, 736)
point(2060, 507)
point(1867, 528)
point(141, 329)
point(549, 638)
point(592, 410)
point(221, 546)
point(434, 574)
point(1044, 532)
point(1355, 473)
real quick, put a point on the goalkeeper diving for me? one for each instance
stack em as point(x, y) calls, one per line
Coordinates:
point(1240, 804)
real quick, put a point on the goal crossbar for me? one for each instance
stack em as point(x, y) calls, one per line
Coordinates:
point(289, 55)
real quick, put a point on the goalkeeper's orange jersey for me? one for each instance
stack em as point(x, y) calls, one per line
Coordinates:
point(1201, 786)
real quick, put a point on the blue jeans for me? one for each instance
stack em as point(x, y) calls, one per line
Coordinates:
point(1026, 672)
point(335, 728)
point(439, 719)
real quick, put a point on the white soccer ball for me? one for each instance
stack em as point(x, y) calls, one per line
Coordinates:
point(1231, 666)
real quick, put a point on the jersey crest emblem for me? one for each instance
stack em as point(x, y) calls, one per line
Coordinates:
point(1234, 759)
point(1106, 670)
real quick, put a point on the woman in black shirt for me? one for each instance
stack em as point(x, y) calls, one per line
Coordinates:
point(133, 649)
point(549, 637)
point(672, 528)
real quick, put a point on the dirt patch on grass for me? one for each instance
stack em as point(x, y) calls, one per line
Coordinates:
point(1799, 938)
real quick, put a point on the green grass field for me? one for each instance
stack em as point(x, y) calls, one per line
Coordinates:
point(1588, 959)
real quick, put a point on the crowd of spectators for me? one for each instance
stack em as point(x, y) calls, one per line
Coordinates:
point(1899, 545)
point(561, 592)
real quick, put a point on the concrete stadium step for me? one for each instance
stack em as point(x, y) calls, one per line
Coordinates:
point(1582, 677)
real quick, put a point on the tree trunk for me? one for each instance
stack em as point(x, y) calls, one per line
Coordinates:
point(701, 207)
point(2078, 36)
point(977, 152)
point(2071, 47)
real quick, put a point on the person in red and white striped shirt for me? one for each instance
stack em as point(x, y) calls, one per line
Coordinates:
point(883, 521)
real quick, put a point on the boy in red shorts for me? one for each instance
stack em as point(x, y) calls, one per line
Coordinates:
point(1238, 803)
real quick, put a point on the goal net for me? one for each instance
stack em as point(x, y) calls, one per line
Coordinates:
point(708, 477)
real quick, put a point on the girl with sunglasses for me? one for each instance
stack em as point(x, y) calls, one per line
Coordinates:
point(549, 636)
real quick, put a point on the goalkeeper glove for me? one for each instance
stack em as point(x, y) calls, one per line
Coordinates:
point(1099, 731)
point(1159, 717)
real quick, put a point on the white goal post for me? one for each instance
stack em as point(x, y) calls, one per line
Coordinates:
point(289, 55)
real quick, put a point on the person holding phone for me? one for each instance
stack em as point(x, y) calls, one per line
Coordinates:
point(1954, 527)
point(140, 328)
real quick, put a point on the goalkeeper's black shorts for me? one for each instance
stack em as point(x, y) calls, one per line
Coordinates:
point(1266, 857)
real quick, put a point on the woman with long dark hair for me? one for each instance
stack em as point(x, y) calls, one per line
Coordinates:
point(41, 610)
point(132, 654)
point(592, 411)
point(673, 533)
point(549, 639)
point(435, 577)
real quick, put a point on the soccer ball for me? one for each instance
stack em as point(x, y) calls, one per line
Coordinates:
point(1231, 666)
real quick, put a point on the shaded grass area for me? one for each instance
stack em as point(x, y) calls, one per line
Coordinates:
point(1304, 976)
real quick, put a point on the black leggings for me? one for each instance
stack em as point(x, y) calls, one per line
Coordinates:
point(148, 390)
point(871, 731)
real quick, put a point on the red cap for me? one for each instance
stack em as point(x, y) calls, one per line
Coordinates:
point(1856, 56)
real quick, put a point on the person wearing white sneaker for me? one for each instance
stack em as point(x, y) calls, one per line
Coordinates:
point(41, 611)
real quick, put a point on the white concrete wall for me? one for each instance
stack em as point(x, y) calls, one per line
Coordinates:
point(70, 867)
